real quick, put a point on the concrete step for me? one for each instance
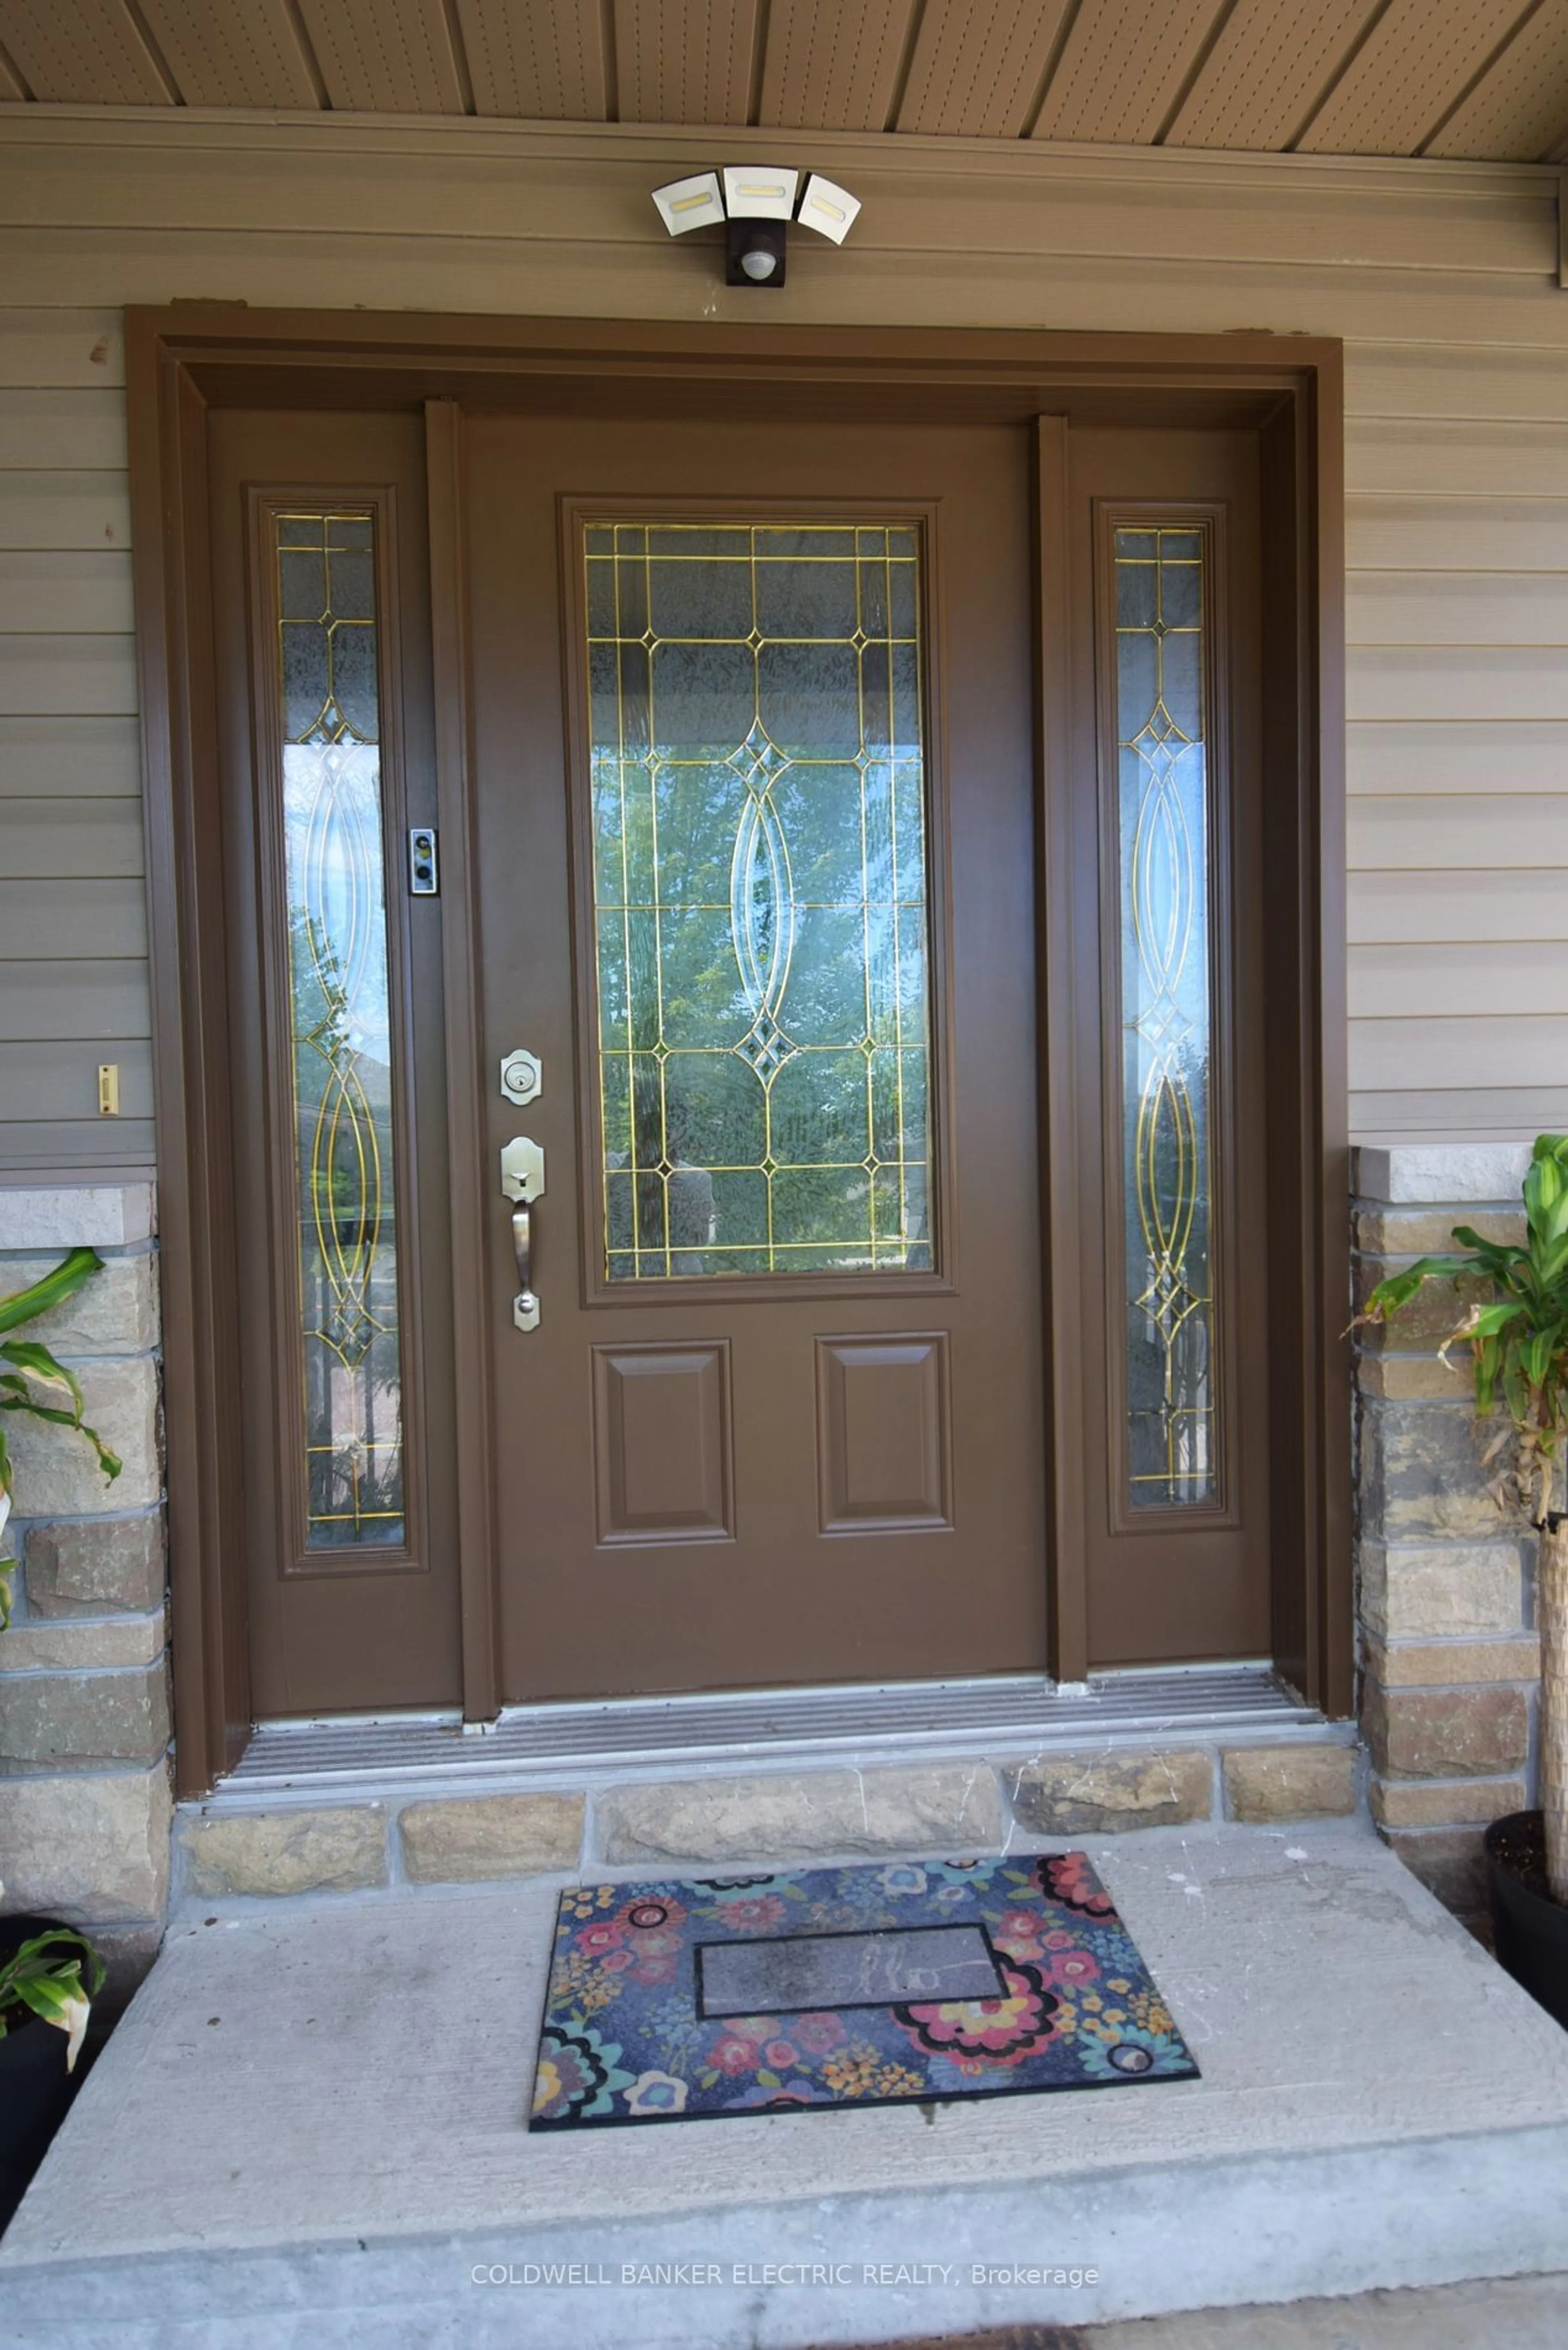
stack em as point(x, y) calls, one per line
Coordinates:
point(308, 2130)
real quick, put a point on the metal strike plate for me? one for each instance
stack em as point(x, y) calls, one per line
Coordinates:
point(424, 872)
point(522, 1171)
point(522, 1077)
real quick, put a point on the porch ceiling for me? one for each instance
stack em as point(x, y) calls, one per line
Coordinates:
point(1483, 79)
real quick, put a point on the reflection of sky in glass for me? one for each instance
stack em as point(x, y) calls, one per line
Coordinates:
point(340, 1024)
point(1164, 884)
point(332, 821)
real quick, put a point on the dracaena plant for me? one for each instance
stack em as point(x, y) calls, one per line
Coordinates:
point(57, 1975)
point(33, 1382)
point(1518, 1339)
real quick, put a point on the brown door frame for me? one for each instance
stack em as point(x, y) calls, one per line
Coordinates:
point(188, 357)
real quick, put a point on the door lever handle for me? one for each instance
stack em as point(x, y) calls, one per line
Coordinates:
point(524, 1305)
point(523, 1182)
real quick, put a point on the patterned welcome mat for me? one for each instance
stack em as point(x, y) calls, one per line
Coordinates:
point(859, 1986)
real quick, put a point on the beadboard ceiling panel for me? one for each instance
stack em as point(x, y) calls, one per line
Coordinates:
point(384, 56)
point(1516, 109)
point(542, 63)
point(977, 72)
point(827, 67)
point(1268, 72)
point(1124, 67)
point(1417, 62)
point(249, 46)
point(686, 60)
point(1480, 80)
point(82, 53)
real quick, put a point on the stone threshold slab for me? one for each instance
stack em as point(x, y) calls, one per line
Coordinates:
point(325, 2109)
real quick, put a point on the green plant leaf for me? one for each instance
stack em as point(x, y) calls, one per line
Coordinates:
point(37, 1363)
point(67, 1277)
point(1487, 1353)
point(1498, 1253)
point(34, 1362)
point(1492, 1318)
point(1398, 1289)
point(1538, 1352)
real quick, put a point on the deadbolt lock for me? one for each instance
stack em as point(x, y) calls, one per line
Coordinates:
point(522, 1077)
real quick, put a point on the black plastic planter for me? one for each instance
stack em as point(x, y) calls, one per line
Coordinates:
point(1531, 1929)
point(35, 2087)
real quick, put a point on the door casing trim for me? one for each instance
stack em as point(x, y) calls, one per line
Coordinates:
point(187, 358)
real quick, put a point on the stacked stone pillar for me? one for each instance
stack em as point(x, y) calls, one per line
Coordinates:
point(85, 1807)
point(1448, 1654)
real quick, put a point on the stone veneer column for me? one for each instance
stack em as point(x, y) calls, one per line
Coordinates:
point(1448, 1657)
point(85, 1809)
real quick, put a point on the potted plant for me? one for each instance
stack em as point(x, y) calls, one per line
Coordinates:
point(1518, 1345)
point(49, 1974)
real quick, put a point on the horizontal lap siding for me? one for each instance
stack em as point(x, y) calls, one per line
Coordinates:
point(1457, 475)
point(73, 924)
point(1456, 694)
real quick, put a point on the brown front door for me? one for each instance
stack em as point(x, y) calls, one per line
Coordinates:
point(753, 747)
point(760, 1323)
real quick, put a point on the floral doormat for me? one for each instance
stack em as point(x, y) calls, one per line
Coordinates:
point(863, 1986)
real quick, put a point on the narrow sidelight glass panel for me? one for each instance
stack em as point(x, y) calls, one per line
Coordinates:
point(339, 1025)
point(1165, 882)
point(762, 939)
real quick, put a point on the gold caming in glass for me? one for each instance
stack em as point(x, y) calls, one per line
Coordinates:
point(759, 833)
point(339, 1028)
point(1167, 1018)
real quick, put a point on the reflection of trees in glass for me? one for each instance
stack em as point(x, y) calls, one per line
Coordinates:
point(343, 1114)
point(762, 948)
point(1170, 1397)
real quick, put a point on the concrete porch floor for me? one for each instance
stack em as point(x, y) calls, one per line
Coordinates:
point(307, 2131)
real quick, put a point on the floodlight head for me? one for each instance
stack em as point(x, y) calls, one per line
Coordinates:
point(755, 191)
point(689, 204)
point(828, 208)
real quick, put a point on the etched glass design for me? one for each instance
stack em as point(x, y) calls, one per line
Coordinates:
point(758, 875)
point(340, 1020)
point(1165, 882)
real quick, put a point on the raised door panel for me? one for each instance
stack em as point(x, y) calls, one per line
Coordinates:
point(884, 1438)
point(661, 1443)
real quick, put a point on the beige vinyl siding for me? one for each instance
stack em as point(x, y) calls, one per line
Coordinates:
point(1441, 279)
point(73, 924)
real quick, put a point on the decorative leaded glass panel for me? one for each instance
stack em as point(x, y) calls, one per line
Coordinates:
point(1164, 891)
point(760, 901)
point(339, 1019)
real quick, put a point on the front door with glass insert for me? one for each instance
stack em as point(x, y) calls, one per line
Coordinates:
point(752, 742)
point(761, 1325)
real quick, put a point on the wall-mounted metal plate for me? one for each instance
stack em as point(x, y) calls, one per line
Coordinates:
point(522, 1076)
